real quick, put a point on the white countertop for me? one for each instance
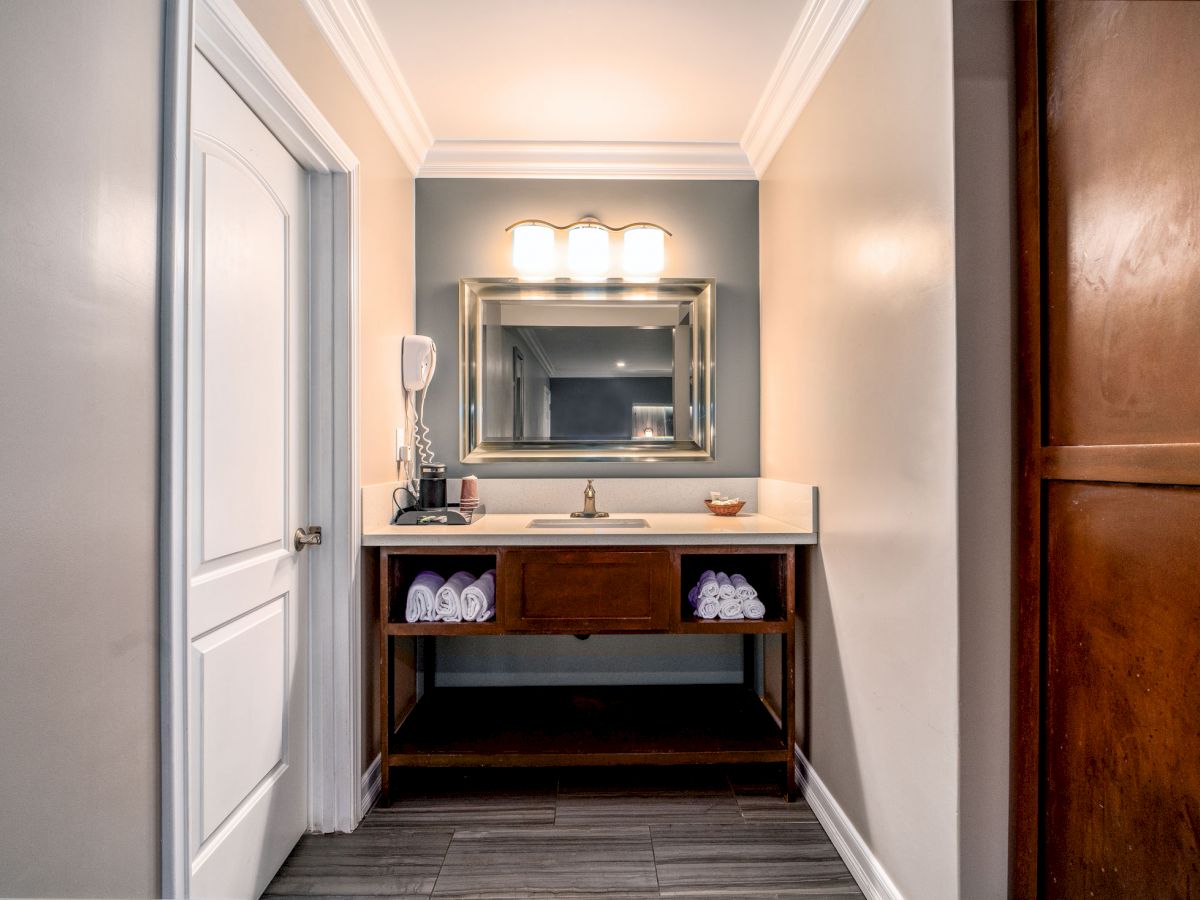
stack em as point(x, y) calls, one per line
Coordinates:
point(510, 530)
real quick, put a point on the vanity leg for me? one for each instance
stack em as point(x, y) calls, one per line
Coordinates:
point(788, 681)
point(385, 703)
point(429, 662)
point(385, 677)
point(749, 663)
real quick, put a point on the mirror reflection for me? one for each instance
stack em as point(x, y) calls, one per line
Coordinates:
point(597, 372)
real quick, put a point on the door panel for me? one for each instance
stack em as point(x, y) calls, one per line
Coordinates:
point(1123, 223)
point(1122, 691)
point(246, 260)
point(1106, 785)
point(247, 600)
point(246, 657)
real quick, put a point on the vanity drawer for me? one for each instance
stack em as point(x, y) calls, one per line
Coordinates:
point(584, 591)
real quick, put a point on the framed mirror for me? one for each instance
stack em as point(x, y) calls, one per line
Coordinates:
point(586, 371)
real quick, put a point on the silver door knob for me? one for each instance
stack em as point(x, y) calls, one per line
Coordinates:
point(305, 536)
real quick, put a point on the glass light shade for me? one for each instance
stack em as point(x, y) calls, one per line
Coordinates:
point(644, 254)
point(587, 252)
point(533, 250)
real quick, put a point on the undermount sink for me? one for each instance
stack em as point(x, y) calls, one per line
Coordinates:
point(588, 523)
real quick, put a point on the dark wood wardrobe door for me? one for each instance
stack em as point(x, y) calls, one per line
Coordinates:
point(1106, 757)
point(1122, 692)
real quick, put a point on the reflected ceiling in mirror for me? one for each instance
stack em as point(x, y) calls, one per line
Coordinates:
point(606, 371)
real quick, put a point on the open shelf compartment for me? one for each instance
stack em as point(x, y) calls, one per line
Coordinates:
point(768, 571)
point(581, 726)
point(402, 568)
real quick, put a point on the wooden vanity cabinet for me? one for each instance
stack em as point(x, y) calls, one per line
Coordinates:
point(582, 591)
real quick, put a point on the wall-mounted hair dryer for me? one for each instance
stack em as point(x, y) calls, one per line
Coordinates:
point(418, 359)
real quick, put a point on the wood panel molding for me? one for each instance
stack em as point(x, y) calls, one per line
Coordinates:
point(1134, 463)
point(1026, 637)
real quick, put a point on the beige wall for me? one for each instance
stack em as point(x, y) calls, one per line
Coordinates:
point(79, 170)
point(386, 254)
point(858, 381)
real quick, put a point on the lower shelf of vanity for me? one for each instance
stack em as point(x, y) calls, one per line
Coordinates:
point(588, 726)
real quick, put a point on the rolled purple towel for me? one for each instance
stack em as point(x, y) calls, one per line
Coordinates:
point(725, 587)
point(705, 607)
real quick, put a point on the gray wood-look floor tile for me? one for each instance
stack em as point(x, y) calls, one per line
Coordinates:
point(784, 859)
point(600, 834)
point(645, 797)
point(647, 809)
point(470, 800)
point(524, 863)
point(762, 808)
point(466, 812)
point(369, 862)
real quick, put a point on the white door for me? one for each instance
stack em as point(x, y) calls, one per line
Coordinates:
point(247, 491)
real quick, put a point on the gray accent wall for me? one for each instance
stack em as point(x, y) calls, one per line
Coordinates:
point(460, 233)
point(79, 203)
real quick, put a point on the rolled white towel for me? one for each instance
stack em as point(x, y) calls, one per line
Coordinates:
point(421, 595)
point(705, 607)
point(754, 608)
point(731, 609)
point(708, 585)
point(725, 587)
point(742, 589)
point(479, 598)
point(448, 603)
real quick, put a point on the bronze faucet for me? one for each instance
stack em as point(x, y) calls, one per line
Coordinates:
point(589, 505)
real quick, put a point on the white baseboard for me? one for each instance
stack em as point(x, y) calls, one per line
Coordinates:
point(372, 781)
point(872, 880)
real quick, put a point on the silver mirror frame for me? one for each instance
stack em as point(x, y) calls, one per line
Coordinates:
point(472, 292)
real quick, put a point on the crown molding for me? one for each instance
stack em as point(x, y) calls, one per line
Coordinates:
point(354, 36)
point(587, 159)
point(810, 50)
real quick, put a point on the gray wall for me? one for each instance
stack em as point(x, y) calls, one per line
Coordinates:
point(460, 233)
point(79, 171)
point(984, 138)
point(601, 659)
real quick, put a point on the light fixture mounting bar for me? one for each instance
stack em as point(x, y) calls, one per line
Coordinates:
point(588, 221)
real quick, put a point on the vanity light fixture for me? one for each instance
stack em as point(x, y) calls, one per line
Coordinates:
point(587, 251)
point(620, 363)
point(642, 259)
point(533, 250)
point(644, 255)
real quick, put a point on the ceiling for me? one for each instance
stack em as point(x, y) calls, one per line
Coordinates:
point(557, 70)
point(567, 89)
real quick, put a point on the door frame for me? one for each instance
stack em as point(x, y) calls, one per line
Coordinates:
point(225, 37)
